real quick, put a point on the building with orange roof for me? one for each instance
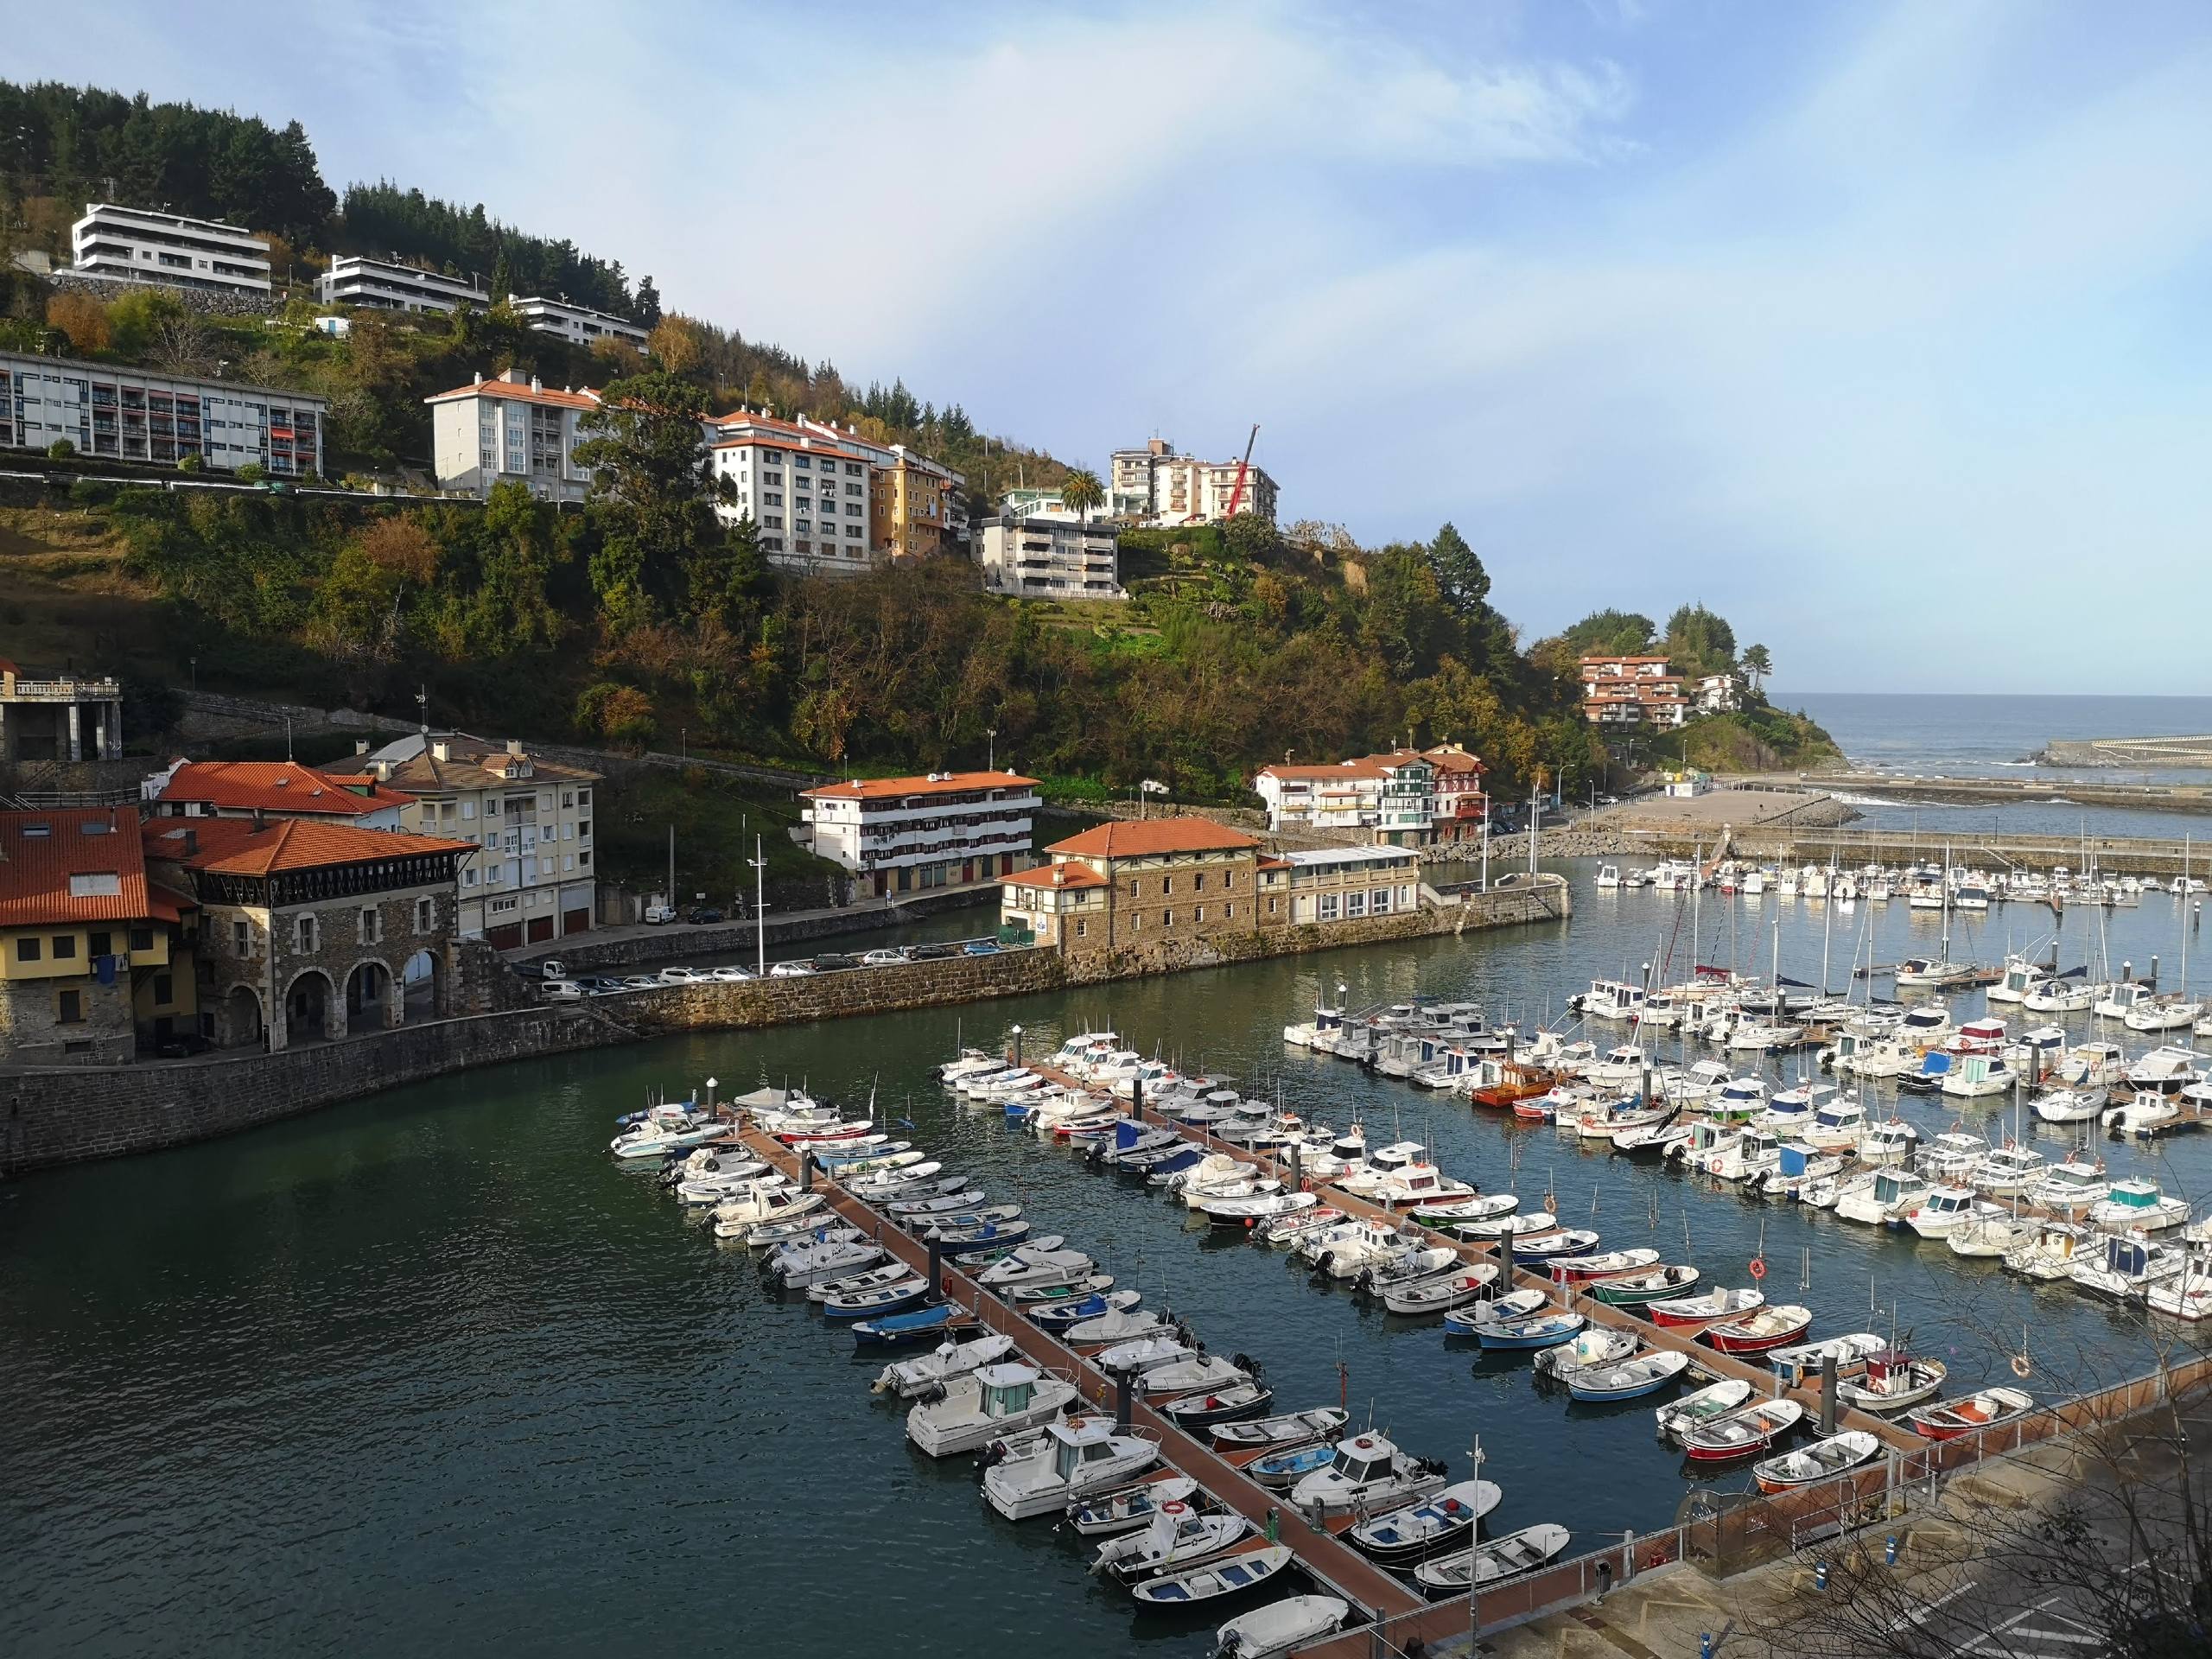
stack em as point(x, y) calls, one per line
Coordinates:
point(1136, 882)
point(1621, 691)
point(512, 428)
point(808, 485)
point(943, 829)
point(1391, 798)
point(273, 789)
point(313, 927)
point(95, 959)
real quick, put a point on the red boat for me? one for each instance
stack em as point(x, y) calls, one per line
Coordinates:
point(1518, 1084)
point(1947, 1419)
point(1696, 1312)
point(1743, 1432)
point(1770, 1327)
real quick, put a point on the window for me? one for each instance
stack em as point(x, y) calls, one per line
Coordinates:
point(102, 945)
point(1271, 906)
point(303, 933)
point(1167, 884)
point(241, 938)
point(583, 829)
point(1354, 905)
point(1135, 922)
point(95, 883)
point(1199, 914)
point(371, 925)
point(583, 860)
point(583, 798)
point(1328, 906)
point(69, 1008)
point(28, 950)
point(1229, 878)
point(425, 915)
point(568, 799)
point(467, 811)
point(492, 807)
point(1199, 882)
point(64, 947)
point(1228, 913)
point(1133, 886)
point(1167, 918)
point(164, 991)
point(1081, 927)
point(468, 877)
point(1378, 903)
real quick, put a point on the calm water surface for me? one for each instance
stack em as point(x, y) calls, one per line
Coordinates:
point(427, 1374)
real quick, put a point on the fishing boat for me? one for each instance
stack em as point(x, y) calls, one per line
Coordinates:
point(1062, 1315)
point(1817, 1462)
point(1231, 1576)
point(910, 1379)
point(1475, 1207)
point(1435, 1523)
point(1598, 1345)
point(890, 1273)
point(1892, 1382)
point(993, 1401)
point(1279, 1470)
point(1437, 1295)
point(1176, 1538)
point(1249, 1210)
point(1516, 1227)
point(2051, 1252)
point(2132, 1264)
point(1949, 1420)
point(1197, 1373)
point(1116, 1324)
point(893, 1297)
point(1709, 1307)
point(1069, 1459)
point(1528, 1331)
point(990, 1236)
point(1490, 1563)
point(1708, 1404)
point(902, 1330)
point(1770, 1327)
point(1290, 1429)
point(1798, 1362)
point(1223, 1405)
point(1745, 1432)
point(1130, 1507)
point(1369, 1472)
point(1291, 1622)
point(1028, 1297)
point(942, 1203)
point(1631, 1379)
point(2071, 1189)
point(1639, 1289)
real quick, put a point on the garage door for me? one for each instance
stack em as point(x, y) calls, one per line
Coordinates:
point(575, 921)
point(541, 929)
point(504, 938)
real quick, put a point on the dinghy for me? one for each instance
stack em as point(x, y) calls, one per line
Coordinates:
point(1478, 1207)
point(1536, 1330)
point(1515, 1305)
point(1545, 1247)
point(1027, 1297)
point(993, 1401)
point(1429, 1297)
point(1613, 1264)
point(1130, 1507)
point(1502, 1558)
point(1949, 1420)
point(1629, 1380)
point(1291, 1622)
point(1692, 1411)
point(1422, 1529)
point(1892, 1383)
point(1281, 1471)
point(1177, 1537)
point(1816, 1462)
point(893, 1297)
point(1282, 1433)
point(992, 1238)
point(1209, 1407)
point(1233, 1575)
point(1770, 1327)
point(1638, 1288)
point(1599, 1345)
point(890, 1273)
point(1057, 1317)
point(1711, 1308)
point(1743, 1432)
point(1199, 1371)
point(900, 1329)
point(967, 1202)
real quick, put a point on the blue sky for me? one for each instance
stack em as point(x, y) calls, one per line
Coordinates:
point(1878, 328)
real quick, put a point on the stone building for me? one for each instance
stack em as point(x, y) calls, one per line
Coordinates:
point(257, 789)
point(94, 959)
point(310, 929)
point(1151, 881)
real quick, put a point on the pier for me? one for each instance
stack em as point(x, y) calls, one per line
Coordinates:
point(1986, 849)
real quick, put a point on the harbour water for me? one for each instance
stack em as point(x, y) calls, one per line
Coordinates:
point(1964, 736)
point(428, 1373)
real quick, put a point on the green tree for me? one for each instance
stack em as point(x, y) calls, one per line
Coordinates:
point(661, 546)
point(1757, 664)
point(1461, 581)
point(1700, 642)
point(1610, 633)
point(648, 301)
point(1082, 491)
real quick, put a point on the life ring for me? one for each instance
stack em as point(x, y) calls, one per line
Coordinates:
point(2021, 1367)
point(1551, 1204)
point(1758, 1267)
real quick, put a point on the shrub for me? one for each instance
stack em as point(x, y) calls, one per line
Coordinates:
point(60, 450)
point(190, 462)
point(252, 473)
point(91, 492)
point(81, 317)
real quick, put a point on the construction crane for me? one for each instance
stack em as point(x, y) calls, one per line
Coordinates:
point(1243, 466)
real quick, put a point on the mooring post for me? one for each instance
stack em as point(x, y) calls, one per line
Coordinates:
point(1827, 1392)
point(1504, 1286)
point(1297, 1167)
point(1137, 1097)
point(1125, 1384)
point(929, 1296)
point(806, 1169)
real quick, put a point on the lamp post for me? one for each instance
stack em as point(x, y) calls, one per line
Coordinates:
point(759, 863)
point(992, 733)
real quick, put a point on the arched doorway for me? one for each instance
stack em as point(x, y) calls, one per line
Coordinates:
point(418, 979)
point(308, 1008)
point(365, 996)
point(241, 1018)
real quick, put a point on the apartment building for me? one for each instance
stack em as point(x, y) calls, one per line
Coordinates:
point(132, 415)
point(1171, 489)
point(94, 959)
point(1389, 796)
point(1157, 881)
point(1720, 694)
point(1632, 691)
point(906, 835)
point(394, 285)
point(133, 245)
point(273, 789)
point(578, 324)
point(511, 428)
point(1460, 799)
point(1050, 555)
point(808, 487)
point(919, 508)
point(533, 880)
point(1338, 884)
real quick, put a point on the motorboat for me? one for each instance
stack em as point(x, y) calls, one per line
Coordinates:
point(2147, 1114)
point(1228, 1576)
point(1630, 1379)
point(1613, 1264)
point(2137, 1204)
point(2162, 1014)
point(1891, 1193)
point(1986, 1234)
point(1130, 1507)
point(1768, 1327)
point(1346, 1251)
point(1367, 1471)
point(1177, 1537)
point(1750, 1156)
point(666, 1129)
point(1500, 1559)
point(1200, 1373)
point(2069, 1189)
point(973, 1410)
point(1537, 1248)
point(1751, 1428)
point(1596, 1345)
point(2163, 1071)
point(1708, 1308)
point(1061, 1317)
point(903, 1330)
point(1117, 1325)
point(2052, 1251)
point(911, 1378)
point(1542, 1328)
point(1412, 1264)
point(1294, 1622)
point(1801, 1362)
point(1837, 1125)
point(893, 1297)
point(1950, 1420)
point(2184, 1295)
point(891, 1273)
point(1707, 1405)
point(1429, 1297)
point(1892, 1141)
point(2067, 1106)
point(2059, 995)
point(1944, 1208)
point(1952, 1155)
point(1800, 1165)
point(1073, 1459)
point(1635, 1289)
point(1474, 1207)
point(1280, 1470)
point(2130, 1267)
point(1206, 1406)
point(795, 1266)
point(1437, 1522)
point(2097, 1063)
point(1820, 1461)
point(989, 1239)
point(1892, 1382)
point(1973, 1075)
point(1145, 1353)
point(1290, 1429)
point(1031, 1265)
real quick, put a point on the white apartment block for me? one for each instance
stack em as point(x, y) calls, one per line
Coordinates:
point(578, 324)
point(134, 416)
point(511, 428)
point(131, 245)
point(1050, 555)
point(1391, 797)
point(355, 279)
point(534, 881)
point(806, 485)
point(1167, 488)
point(946, 829)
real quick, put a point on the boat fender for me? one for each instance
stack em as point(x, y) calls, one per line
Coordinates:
point(2021, 1365)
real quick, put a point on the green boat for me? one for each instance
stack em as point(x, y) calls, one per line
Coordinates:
point(1637, 1288)
point(1045, 1295)
point(1474, 1207)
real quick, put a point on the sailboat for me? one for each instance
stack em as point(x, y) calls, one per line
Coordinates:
point(1938, 972)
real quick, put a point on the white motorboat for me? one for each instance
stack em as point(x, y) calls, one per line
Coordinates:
point(2067, 1106)
point(1837, 1125)
point(1415, 1530)
point(1028, 1265)
point(2071, 1189)
point(1130, 1507)
point(2059, 995)
point(1200, 1373)
point(2051, 1252)
point(1415, 1263)
point(1986, 1234)
point(2130, 1265)
point(1893, 1141)
point(1366, 1471)
point(2147, 1114)
point(1946, 1207)
point(1070, 1460)
point(1441, 1295)
point(1276, 1629)
point(988, 1402)
point(2166, 1070)
point(1953, 1156)
point(2007, 1170)
point(2184, 1296)
point(2094, 1064)
point(1891, 1194)
point(1117, 1325)
point(1892, 1382)
point(1146, 1353)
point(2137, 1204)
point(796, 1265)
point(2162, 1014)
point(1973, 1075)
point(751, 1207)
point(1753, 1152)
point(1177, 1537)
point(661, 1134)
point(911, 1378)
point(1346, 1250)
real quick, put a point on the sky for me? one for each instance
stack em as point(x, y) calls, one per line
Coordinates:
point(1878, 328)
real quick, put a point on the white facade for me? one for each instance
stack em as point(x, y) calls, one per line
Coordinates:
point(1720, 694)
point(1050, 555)
point(511, 428)
point(1392, 797)
point(534, 880)
point(1172, 489)
point(578, 324)
point(355, 279)
point(157, 417)
point(1347, 884)
point(948, 828)
point(133, 245)
point(806, 485)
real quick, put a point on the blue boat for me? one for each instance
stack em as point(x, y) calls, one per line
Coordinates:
point(1536, 1330)
point(973, 1241)
point(892, 1330)
point(876, 1303)
point(1061, 1315)
point(1281, 1470)
point(1630, 1379)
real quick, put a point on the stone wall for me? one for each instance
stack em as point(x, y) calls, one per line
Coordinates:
point(681, 942)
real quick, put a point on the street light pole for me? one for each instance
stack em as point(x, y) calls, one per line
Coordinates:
point(1474, 1600)
point(759, 863)
point(992, 732)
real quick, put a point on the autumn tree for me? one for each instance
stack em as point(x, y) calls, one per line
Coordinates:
point(678, 343)
point(81, 317)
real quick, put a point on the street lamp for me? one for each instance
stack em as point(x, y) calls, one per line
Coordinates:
point(759, 863)
point(992, 732)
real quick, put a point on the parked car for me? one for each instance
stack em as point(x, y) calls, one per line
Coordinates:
point(659, 914)
point(929, 952)
point(789, 970)
point(563, 990)
point(730, 975)
point(553, 968)
point(641, 982)
point(703, 915)
point(831, 961)
point(682, 977)
point(882, 959)
point(981, 948)
point(600, 985)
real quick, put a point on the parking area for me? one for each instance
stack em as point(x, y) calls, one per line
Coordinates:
point(560, 984)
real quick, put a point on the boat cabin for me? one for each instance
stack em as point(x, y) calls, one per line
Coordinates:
point(1077, 1446)
point(1366, 1458)
point(1008, 1389)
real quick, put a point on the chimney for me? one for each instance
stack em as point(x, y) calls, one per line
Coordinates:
point(360, 746)
point(479, 379)
point(441, 750)
point(536, 384)
point(191, 842)
point(260, 819)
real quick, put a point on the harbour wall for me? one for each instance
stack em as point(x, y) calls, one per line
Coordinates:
point(2112, 854)
point(56, 1116)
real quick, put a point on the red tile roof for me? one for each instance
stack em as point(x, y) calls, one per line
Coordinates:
point(585, 399)
point(1072, 874)
point(239, 847)
point(278, 787)
point(943, 783)
point(41, 851)
point(1146, 837)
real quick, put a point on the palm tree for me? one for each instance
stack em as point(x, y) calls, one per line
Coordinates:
point(1082, 491)
point(1757, 665)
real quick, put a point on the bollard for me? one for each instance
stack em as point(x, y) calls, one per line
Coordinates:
point(1704, 1644)
point(1137, 1098)
point(1820, 1575)
point(1827, 1392)
point(1504, 1285)
point(1890, 1551)
point(1274, 1523)
point(1297, 1167)
point(806, 1171)
point(1125, 1384)
point(930, 1297)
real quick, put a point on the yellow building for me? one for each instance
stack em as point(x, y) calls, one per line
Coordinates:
point(95, 960)
point(912, 509)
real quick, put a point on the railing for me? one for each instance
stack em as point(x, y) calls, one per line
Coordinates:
point(65, 691)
